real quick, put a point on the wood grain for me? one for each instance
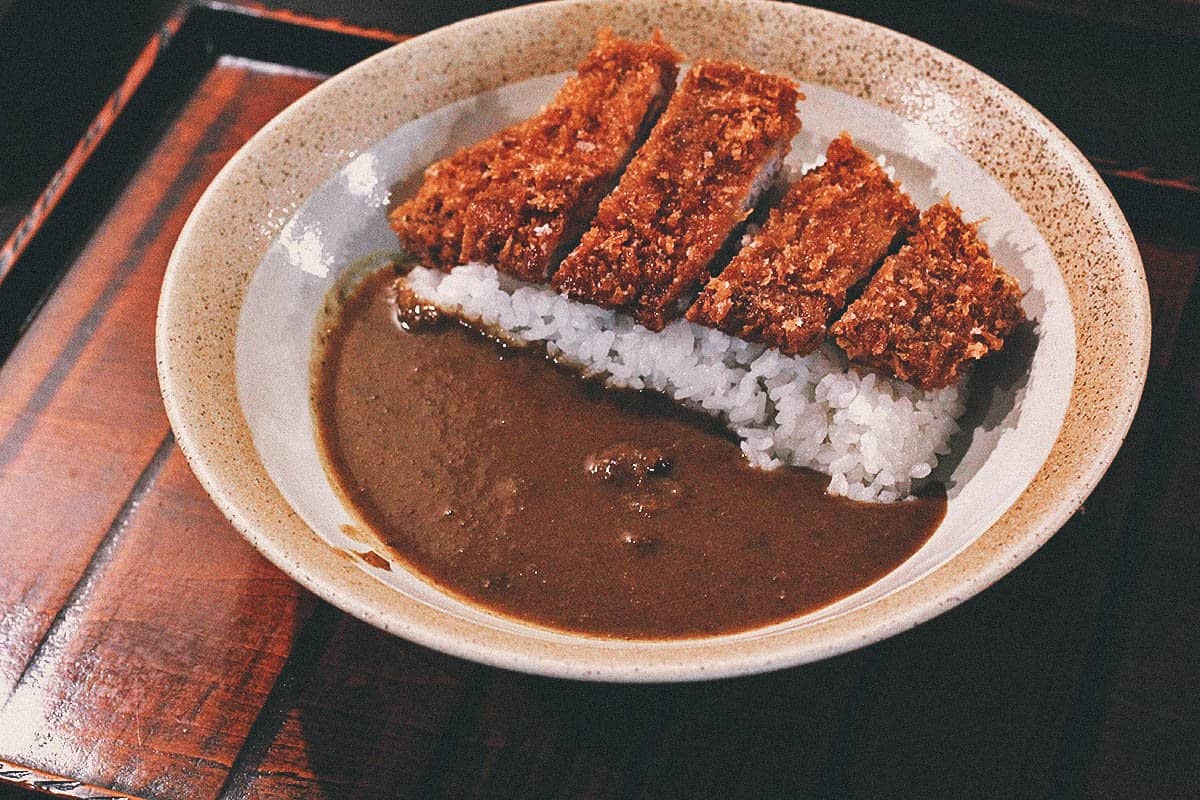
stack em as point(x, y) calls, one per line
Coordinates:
point(18, 782)
point(83, 441)
point(158, 665)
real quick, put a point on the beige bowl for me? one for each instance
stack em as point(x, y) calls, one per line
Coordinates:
point(232, 353)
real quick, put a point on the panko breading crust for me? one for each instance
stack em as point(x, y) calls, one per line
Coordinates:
point(684, 193)
point(829, 232)
point(934, 307)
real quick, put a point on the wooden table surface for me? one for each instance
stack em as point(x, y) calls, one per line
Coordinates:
point(147, 651)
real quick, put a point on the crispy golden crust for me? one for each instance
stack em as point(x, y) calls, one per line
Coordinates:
point(830, 230)
point(541, 194)
point(934, 306)
point(684, 192)
point(513, 199)
point(429, 224)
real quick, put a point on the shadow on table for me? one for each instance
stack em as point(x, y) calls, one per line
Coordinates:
point(381, 717)
point(387, 717)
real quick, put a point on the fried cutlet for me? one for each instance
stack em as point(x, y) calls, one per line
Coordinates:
point(716, 146)
point(831, 229)
point(540, 195)
point(429, 224)
point(513, 199)
point(933, 307)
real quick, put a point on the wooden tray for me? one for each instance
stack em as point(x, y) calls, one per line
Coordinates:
point(147, 651)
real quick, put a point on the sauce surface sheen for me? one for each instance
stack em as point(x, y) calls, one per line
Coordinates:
point(517, 485)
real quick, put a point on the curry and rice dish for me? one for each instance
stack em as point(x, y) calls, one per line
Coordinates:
point(628, 382)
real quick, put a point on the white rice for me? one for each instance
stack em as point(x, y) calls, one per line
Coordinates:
point(873, 435)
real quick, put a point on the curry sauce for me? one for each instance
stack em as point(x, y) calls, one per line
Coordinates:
point(515, 484)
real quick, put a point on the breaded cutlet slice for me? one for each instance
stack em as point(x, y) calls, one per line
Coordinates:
point(550, 169)
point(541, 194)
point(933, 307)
point(716, 147)
point(429, 224)
point(829, 232)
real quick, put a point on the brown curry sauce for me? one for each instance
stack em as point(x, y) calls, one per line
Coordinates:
point(513, 483)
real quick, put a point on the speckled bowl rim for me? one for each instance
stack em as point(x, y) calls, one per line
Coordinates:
point(229, 230)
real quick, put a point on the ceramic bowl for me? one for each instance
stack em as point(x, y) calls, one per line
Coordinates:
point(306, 199)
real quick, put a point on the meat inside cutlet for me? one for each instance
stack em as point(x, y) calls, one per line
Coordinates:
point(716, 146)
point(540, 195)
point(933, 307)
point(514, 199)
point(829, 232)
